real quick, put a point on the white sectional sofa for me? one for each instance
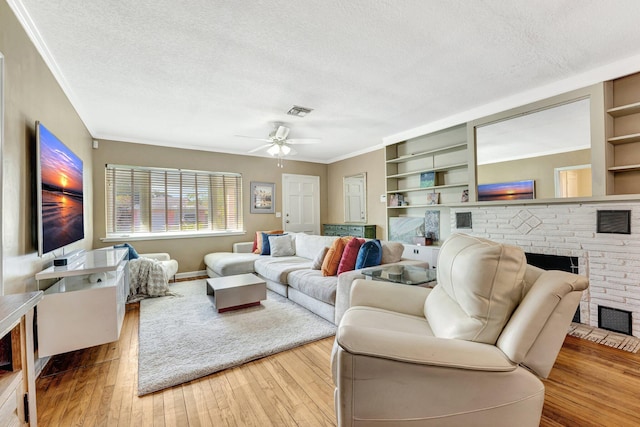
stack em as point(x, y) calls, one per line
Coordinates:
point(293, 276)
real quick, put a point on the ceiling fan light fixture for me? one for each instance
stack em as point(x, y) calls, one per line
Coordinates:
point(285, 149)
point(298, 111)
point(273, 150)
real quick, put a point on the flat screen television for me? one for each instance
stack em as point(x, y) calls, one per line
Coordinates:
point(59, 193)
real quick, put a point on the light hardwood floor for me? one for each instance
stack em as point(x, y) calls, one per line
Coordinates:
point(590, 385)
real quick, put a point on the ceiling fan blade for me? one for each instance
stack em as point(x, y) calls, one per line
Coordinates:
point(254, 138)
point(304, 141)
point(262, 147)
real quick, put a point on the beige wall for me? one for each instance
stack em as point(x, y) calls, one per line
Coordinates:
point(541, 169)
point(31, 93)
point(373, 164)
point(190, 252)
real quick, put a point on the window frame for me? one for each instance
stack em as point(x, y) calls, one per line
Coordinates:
point(144, 188)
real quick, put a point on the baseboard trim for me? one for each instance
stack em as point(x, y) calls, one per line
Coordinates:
point(39, 365)
point(191, 274)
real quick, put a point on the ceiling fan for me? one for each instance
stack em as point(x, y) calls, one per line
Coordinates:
point(278, 144)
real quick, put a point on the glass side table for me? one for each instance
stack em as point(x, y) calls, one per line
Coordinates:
point(403, 274)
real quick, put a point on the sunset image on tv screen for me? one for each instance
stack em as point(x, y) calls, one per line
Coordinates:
point(506, 191)
point(62, 198)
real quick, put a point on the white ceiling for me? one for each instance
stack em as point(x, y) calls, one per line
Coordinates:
point(194, 74)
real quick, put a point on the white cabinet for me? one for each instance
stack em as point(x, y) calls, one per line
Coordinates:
point(79, 312)
point(427, 254)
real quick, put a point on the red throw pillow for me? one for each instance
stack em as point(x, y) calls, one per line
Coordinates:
point(349, 256)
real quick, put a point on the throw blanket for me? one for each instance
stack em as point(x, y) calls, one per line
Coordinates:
point(146, 279)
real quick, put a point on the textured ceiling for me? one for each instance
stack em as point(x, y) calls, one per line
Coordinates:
point(194, 74)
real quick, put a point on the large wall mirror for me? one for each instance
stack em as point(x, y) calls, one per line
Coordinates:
point(355, 198)
point(539, 145)
point(1, 151)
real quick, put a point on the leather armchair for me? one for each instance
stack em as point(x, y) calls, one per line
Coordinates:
point(468, 352)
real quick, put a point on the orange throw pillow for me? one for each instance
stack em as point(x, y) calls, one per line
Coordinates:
point(334, 255)
point(257, 242)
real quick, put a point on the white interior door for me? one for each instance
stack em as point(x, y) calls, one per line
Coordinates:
point(354, 199)
point(301, 203)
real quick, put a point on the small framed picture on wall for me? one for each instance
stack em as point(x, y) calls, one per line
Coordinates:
point(263, 197)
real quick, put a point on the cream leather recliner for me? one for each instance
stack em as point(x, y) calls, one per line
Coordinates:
point(169, 265)
point(467, 353)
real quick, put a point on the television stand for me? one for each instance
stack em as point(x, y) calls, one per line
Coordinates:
point(86, 306)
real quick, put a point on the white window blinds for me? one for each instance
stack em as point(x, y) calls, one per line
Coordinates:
point(153, 200)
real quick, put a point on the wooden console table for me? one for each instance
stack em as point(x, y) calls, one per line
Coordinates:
point(18, 383)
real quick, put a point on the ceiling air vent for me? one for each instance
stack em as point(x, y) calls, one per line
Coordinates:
point(299, 111)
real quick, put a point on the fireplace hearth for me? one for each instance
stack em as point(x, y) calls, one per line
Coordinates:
point(555, 262)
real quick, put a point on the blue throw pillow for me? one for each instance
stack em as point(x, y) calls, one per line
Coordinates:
point(132, 252)
point(370, 254)
point(266, 247)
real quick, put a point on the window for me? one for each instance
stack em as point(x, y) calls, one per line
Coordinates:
point(150, 201)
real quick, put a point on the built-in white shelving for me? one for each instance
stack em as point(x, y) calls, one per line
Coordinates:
point(622, 126)
point(444, 156)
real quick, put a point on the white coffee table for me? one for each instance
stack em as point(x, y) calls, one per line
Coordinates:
point(234, 292)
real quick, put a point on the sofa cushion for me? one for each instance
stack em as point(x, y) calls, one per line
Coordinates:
point(230, 264)
point(281, 245)
point(318, 260)
point(480, 282)
point(308, 245)
point(277, 269)
point(257, 242)
point(314, 284)
point(333, 257)
point(370, 254)
point(350, 255)
point(391, 252)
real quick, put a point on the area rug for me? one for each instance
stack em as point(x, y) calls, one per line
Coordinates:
point(183, 337)
point(604, 337)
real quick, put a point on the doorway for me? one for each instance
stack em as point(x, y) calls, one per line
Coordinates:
point(573, 181)
point(301, 203)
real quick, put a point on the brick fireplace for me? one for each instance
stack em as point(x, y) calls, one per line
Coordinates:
point(611, 261)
